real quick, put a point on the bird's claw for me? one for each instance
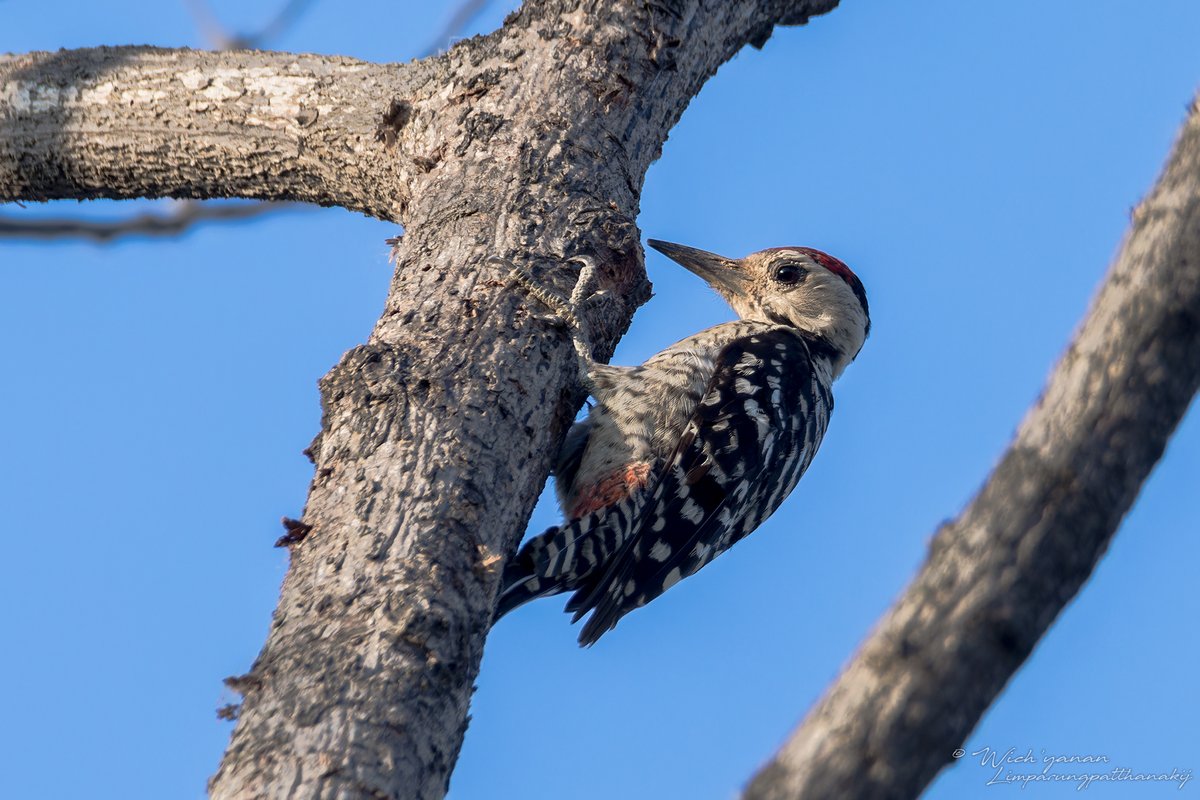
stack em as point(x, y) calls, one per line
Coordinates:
point(566, 311)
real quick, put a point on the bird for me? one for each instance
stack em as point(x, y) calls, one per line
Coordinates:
point(683, 456)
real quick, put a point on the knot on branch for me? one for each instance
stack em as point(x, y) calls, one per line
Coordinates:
point(295, 533)
point(398, 114)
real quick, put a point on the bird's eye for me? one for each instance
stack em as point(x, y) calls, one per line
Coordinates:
point(789, 273)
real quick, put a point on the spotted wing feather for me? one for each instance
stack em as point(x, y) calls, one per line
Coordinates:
point(749, 441)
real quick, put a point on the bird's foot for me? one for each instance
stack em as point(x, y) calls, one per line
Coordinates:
point(565, 310)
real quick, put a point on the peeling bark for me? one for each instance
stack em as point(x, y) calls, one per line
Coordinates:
point(997, 576)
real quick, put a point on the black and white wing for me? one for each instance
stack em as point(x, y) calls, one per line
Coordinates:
point(749, 441)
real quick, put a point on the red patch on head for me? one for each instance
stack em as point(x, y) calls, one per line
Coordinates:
point(835, 266)
point(825, 260)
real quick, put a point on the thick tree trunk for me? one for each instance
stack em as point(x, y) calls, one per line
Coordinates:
point(529, 145)
point(997, 576)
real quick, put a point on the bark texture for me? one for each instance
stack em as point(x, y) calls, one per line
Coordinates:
point(528, 145)
point(997, 576)
point(126, 122)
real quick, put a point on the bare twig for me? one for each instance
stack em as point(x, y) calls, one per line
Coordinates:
point(997, 576)
point(183, 214)
point(221, 38)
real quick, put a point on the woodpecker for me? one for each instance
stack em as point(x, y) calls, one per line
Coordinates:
point(686, 454)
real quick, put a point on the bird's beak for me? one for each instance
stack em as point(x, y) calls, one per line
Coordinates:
point(726, 275)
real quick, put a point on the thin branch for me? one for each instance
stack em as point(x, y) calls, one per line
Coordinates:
point(997, 576)
point(221, 38)
point(181, 216)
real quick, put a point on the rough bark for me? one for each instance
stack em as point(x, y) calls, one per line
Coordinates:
point(529, 145)
point(997, 576)
point(126, 122)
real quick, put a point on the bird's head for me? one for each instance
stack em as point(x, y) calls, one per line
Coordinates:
point(795, 286)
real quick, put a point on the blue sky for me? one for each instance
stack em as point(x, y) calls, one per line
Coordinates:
point(974, 162)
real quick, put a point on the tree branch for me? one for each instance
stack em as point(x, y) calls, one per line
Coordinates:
point(997, 576)
point(530, 145)
point(181, 216)
point(220, 38)
point(144, 122)
point(439, 432)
